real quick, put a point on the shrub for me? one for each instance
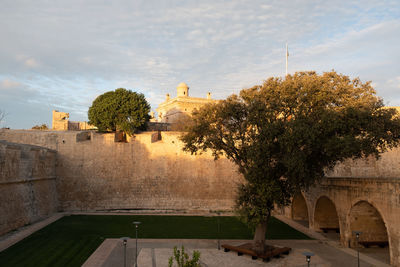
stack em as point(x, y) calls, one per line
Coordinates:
point(182, 258)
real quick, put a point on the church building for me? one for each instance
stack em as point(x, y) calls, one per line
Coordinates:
point(173, 109)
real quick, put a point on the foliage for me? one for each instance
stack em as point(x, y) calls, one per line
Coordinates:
point(182, 124)
point(121, 109)
point(182, 258)
point(284, 134)
point(40, 127)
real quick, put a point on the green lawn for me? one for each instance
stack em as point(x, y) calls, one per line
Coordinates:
point(72, 239)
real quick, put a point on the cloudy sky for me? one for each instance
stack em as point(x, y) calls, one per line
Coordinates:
point(62, 54)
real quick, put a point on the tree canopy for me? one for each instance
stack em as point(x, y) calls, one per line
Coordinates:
point(40, 127)
point(121, 109)
point(284, 134)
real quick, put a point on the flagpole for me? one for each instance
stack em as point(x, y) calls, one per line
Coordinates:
point(287, 55)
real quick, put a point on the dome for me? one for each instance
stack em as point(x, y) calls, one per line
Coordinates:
point(183, 86)
point(182, 90)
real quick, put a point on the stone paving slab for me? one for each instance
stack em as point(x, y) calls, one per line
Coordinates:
point(102, 253)
point(145, 257)
point(155, 253)
point(219, 258)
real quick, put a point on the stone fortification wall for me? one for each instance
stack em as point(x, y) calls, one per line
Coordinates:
point(27, 185)
point(96, 173)
point(47, 139)
point(61, 122)
point(387, 166)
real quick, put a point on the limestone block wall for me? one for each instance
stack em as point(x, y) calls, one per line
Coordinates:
point(47, 139)
point(27, 185)
point(100, 174)
point(387, 166)
point(97, 173)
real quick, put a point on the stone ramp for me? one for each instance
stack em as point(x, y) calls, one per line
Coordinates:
point(101, 254)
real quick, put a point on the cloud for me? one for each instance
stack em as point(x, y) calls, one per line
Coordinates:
point(64, 54)
point(6, 83)
point(369, 53)
point(395, 82)
point(29, 62)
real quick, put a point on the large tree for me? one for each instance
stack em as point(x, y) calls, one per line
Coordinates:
point(284, 134)
point(121, 110)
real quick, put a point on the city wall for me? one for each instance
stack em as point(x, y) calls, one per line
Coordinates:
point(96, 173)
point(27, 185)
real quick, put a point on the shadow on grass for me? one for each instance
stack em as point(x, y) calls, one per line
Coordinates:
point(72, 239)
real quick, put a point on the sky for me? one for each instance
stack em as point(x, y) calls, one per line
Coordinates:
point(61, 55)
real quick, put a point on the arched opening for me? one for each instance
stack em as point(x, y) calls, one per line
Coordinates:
point(299, 209)
point(373, 237)
point(326, 218)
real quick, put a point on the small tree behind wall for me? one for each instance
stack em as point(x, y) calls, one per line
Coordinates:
point(121, 109)
point(285, 133)
point(40, 127)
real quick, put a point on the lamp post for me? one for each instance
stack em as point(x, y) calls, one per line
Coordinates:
point(219, 230)
point(308, 257)
point(124, 240)
point(358, 233)
point(136, 226)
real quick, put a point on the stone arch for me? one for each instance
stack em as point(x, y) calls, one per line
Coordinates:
point(299, 208)
point(364, 217)
point(325, 215)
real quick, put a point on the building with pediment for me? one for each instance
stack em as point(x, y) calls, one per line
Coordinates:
point(173, 109)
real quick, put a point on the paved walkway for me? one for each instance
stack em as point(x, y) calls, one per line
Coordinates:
point(156, 252)
point(13, 237)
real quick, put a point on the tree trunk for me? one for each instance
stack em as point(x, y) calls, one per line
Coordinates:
point(259, 237)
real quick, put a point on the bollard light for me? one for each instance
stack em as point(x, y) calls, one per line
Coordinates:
point(124, 242)
point(137, 227)
point(358, 233)
point(308, 257)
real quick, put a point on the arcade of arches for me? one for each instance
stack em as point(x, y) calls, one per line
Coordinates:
point(299, 209)
point(344, 206)
point(367, 220)
point(325, 215)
